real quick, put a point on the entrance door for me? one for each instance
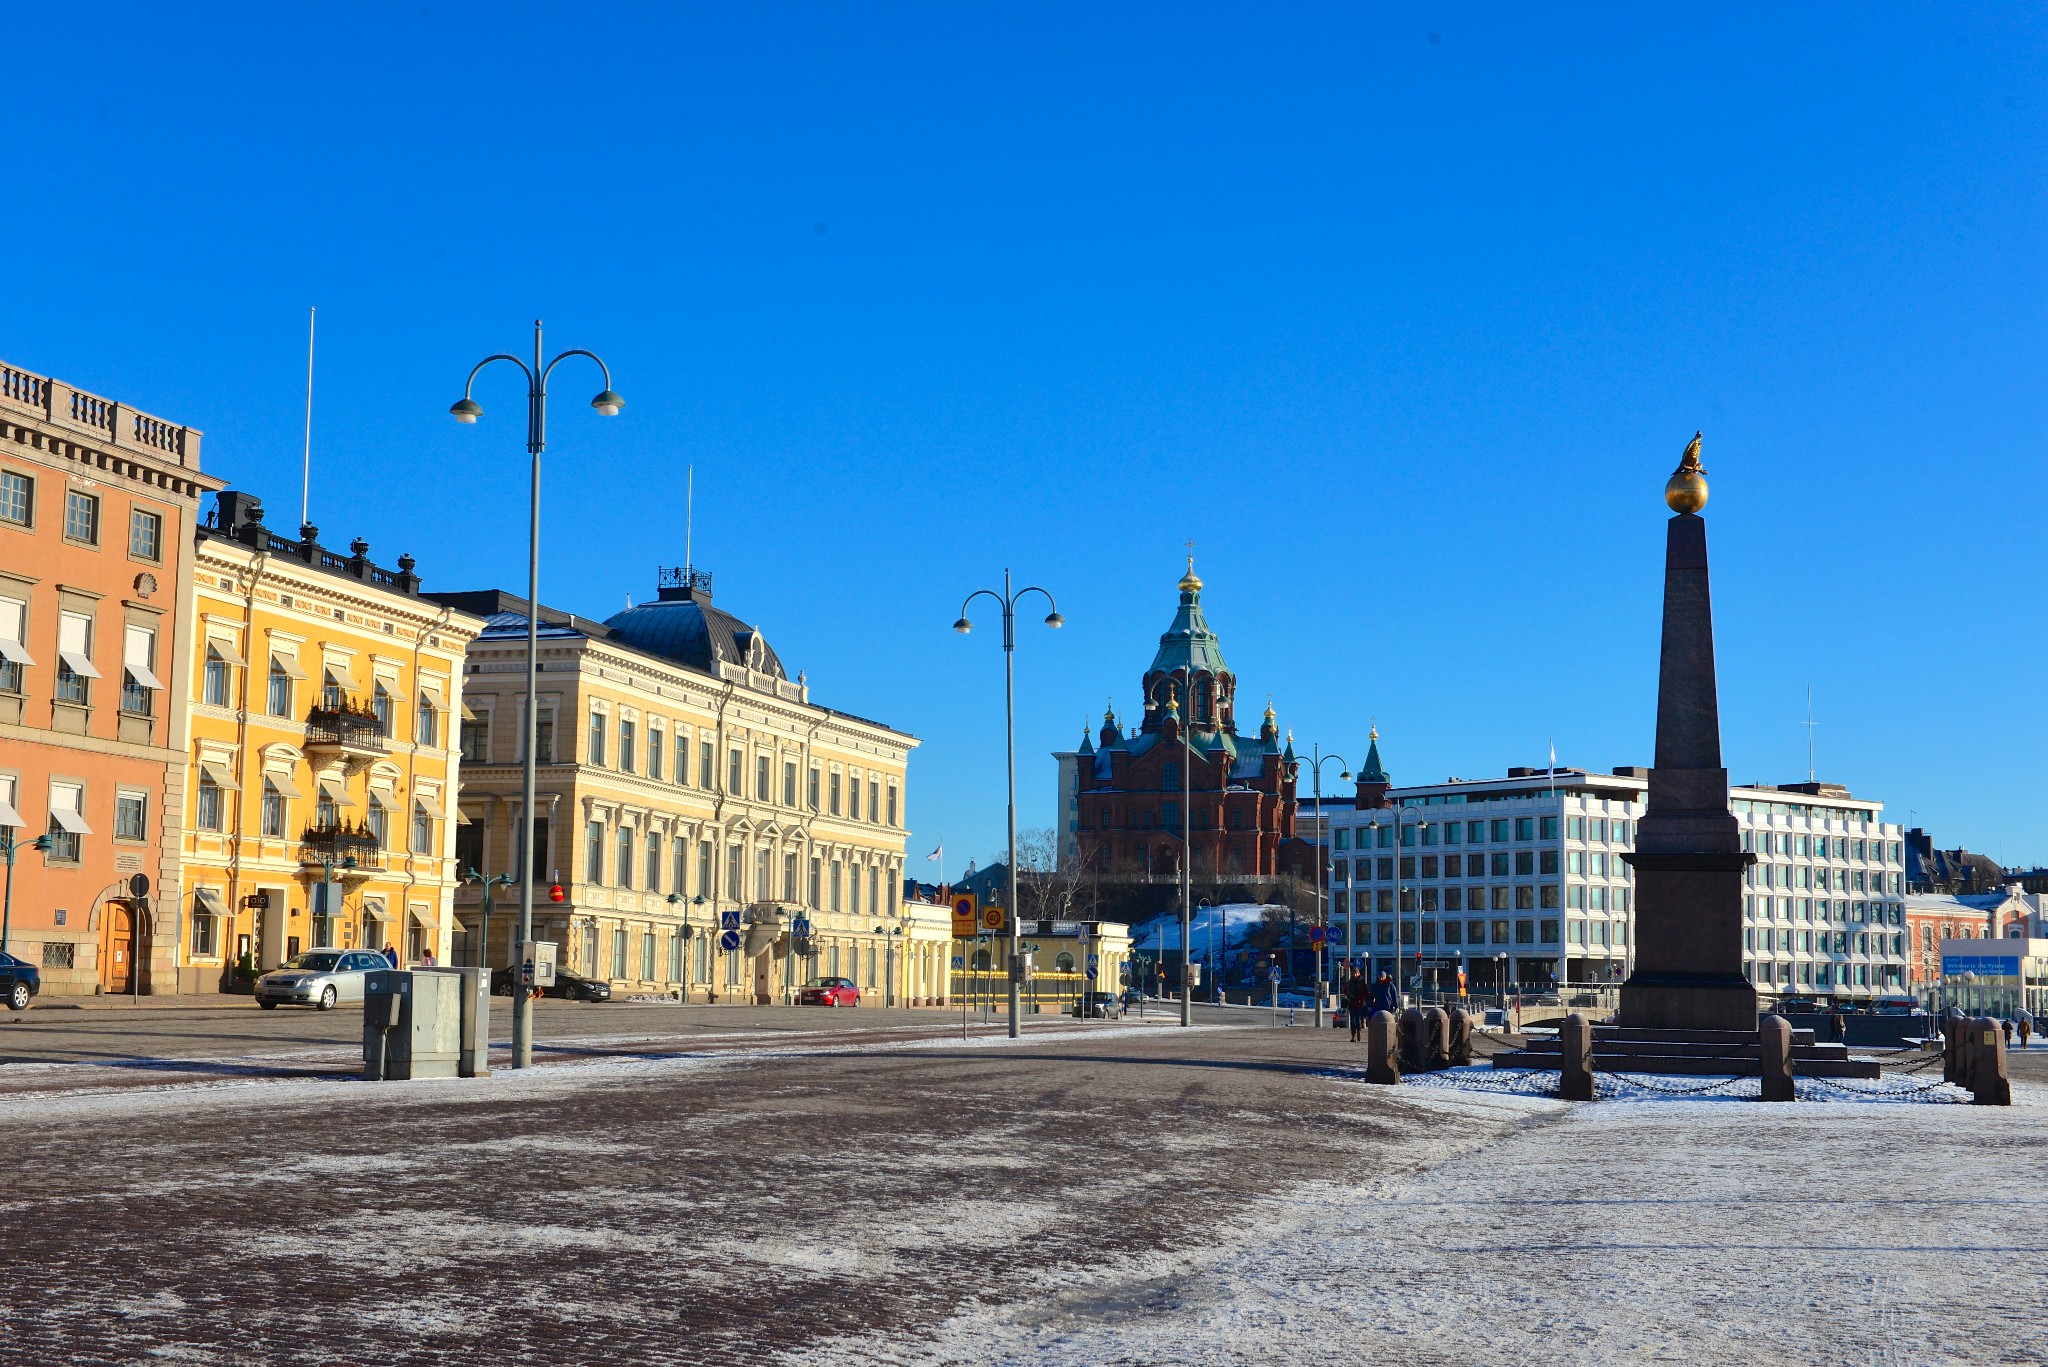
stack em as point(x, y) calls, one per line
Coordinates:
point(270, 934)
point(764, 981)
point(117, 948)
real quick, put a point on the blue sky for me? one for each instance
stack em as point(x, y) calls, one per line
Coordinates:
point(1402, 314)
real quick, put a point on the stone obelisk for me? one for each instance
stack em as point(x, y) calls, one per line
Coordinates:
point(1688, 860)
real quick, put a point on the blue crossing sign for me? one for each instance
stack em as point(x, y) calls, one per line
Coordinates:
point(801, 926)
point(729, 940)
point(728, 920)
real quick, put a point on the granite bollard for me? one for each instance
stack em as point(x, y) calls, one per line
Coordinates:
point(1575, 1035)
point(1412, 1027)
point(1989, 1083)
point(1382, 1064)
point(1458, 1043)
point(1774, 1047)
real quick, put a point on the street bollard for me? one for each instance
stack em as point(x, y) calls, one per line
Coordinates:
point(1989, 1083)
point(1575, 1038)
point(1458, 1045)
point(1774, 1048)
point(1952, 1046)
point(1411, 1028)
point(1382, 1063)
point(1436, 1030)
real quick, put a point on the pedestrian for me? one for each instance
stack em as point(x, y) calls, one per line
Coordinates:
point(1838, 1027)
point(1384, 997)
point(1357, 1000)
point(2025, 1021)
point(391, 955)
point(426, 958)
point(2006, 1025)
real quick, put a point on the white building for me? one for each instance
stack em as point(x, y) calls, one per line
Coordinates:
point(1524, 881)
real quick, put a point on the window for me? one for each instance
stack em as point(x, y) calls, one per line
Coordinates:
point(706, 772)
point(278, 700)
point(817, 866)
point(653, 853)
point(145, 535)
point(1169, 776)
point(892, 805)
point(681, 880)
point(1549, 828)
point(836, 875)
point(853, 892)
point(789, 788)
point(735, 874)
point(789, 878)
point(422, 829)
point(874, 800)
point(624, 871)
point(17, 498)
point(619, 953)
point(596, 738)
point(207, 817)
point(469, 848)
point(13, 654)
point(647, 960)
point(1525, 828)
point(273, 810)
point(654, 751)
point(67, 822)
point(74, 657)
point(735, 782)
point(705, 888)
point(131, 812)
point(205, 929)
point(835, 794)
point(427, 725)
point(761, 778)
point(763, 889)
point(81, 517)
point(378, 818)
point(380, 707)
point(139, 683)
point(593, 852)
point(627, 738)
point(476, 739)
point(814, 790)
point(682, 757)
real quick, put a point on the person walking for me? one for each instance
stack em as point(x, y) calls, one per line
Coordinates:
point(391, 955)
point(2025, 1021)
point(1357, 999)
point(1384, 997)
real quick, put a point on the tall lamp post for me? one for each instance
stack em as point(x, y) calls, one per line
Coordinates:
point(8, 848)
point(1009, 601)
point(483, 943)
point(1400, 821)
point(1317, 759)
point(467, 410)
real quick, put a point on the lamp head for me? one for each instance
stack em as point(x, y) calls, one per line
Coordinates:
point(608, 404)
point(1055, 621)
point(466, 409)
point(1344, 777)
point(963, 626)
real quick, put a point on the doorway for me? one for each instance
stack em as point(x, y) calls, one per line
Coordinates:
point(117, 948)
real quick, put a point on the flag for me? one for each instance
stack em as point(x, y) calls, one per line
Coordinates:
point(936, 855)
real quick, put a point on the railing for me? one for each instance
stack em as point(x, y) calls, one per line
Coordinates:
point(350, 727)
point(989, 988)
point(117, 423)
point(90, 410)
point(24, 388)
point(332, 845)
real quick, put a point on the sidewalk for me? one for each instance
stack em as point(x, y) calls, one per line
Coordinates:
point(185, 1002)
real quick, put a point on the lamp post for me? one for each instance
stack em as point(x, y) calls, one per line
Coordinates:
point(483, 944)
point(467, 410)
point(1009, 601)
point(1399, 820)
point(8, 847)
point(1317, 759)
point(688, 932)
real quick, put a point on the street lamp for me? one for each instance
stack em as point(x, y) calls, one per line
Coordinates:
point(1399, 819)
point(483, 944)
point(688, 932)
point(1316, 762)
point(1009, 601)
point(467, 410)
point(8, 846)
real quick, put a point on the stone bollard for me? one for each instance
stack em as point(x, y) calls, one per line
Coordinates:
point(1436, 1032)
point(1952, 1046)
point(1382, 1063)
point(1774, 1046)
point(1575, 1038)
point(1989, 1083)
point(1412, 1027)
point(1458, 1044)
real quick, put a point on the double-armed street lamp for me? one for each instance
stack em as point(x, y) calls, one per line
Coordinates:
point(688, 932)
point(483, 943)
point(467, 410)
point(1315, 768)
point(1402, 822)
point(8, 848)
point(1009, 601)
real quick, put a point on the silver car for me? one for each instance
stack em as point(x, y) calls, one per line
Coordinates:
point(319, 977)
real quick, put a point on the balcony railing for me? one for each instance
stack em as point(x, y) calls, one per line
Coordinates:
point(104, 420)
point(351, 726)
point(335, 844)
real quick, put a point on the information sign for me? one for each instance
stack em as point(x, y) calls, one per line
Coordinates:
point(728, 920)
point(729, 940)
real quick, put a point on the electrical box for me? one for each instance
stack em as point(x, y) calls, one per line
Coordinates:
point(412, 1025)
point(536, 959)
point(473, 996)
point(1194, 975)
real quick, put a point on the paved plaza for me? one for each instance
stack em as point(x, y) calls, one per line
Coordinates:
point(730, 1185)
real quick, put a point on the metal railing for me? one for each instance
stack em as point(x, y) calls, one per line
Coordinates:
point(988, 989)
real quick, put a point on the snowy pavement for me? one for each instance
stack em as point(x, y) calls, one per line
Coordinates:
point(1096, 1193)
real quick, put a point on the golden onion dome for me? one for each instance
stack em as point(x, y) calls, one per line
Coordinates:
point(1191, 582)
point(1686, 490)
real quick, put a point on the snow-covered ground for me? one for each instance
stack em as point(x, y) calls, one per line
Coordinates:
point(1619, 1233)
point(1221, 928)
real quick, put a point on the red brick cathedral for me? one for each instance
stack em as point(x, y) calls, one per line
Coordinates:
point(1129, 786)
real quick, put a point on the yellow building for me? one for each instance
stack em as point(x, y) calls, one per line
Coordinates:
point(326, 695)
point(695, 807)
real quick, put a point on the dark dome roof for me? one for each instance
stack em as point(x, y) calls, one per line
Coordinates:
point(681, 625)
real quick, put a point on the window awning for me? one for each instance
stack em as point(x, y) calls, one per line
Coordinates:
point(68, 819)
point(335, 791)
point(220, 776)
point(392, 688)
point(13, 651)
point(282, 781)
point(8, 815)
point(434, 691)
point(287, 666)
point(381, 798)
point(209, 900)
point(467, 715)
point(375, 911)
point(136, 647)
point(223, 647)
point(462, 818)
point(338, 672)
point(78, 664)
point(455, 924)
point(433, 806)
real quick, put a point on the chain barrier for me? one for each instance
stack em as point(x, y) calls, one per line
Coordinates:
point(1505, 1081)
point(1921, 1095)
point(1642, 1080)
point(1923, 1064)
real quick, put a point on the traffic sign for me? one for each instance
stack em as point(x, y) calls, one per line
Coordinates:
point(1093, 961)
point(965, 915)
point(991, 918)
point(801, 927)
point(728, 920)
point(1273, 975)
point(730, 941)
point(959, 961)
point(1317, 935)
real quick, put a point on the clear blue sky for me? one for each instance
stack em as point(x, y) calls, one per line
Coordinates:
point(1403, 316)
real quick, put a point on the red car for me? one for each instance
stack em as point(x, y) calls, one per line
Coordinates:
point(828, 992)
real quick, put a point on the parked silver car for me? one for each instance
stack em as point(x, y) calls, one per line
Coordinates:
point(319, 977)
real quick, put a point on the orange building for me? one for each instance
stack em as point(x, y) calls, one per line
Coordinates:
point(97, 502)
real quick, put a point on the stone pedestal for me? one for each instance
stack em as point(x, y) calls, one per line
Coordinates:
point(1382, 1063)
point(1774, 1051)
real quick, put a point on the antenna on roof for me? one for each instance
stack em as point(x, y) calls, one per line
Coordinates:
point(306, 473)
point(1810, 724)
point(689, 511)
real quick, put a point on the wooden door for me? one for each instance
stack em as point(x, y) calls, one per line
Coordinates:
point(117, 948)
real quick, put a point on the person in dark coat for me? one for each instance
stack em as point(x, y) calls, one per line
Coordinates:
point(1357, 998)
point(391, 955)
point(1384, 997)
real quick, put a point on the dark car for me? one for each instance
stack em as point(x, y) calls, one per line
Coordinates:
point(1100, 1006)
point(828, 992)
point(19, 980)
point(568, 986)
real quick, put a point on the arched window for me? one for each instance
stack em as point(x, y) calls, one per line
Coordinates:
point(1064, 962)
point(981, 961)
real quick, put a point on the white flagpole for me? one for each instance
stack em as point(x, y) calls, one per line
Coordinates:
point(306, 473)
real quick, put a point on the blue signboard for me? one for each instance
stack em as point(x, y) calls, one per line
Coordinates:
point(801, 926)
point(729, 941)
point(1990, 965)
point(728, 920)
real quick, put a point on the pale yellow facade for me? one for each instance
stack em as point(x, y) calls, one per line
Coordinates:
point(676, 802)
point(321, 792)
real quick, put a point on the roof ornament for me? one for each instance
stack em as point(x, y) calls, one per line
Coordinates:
point(1686, 491)
point(1191, 582)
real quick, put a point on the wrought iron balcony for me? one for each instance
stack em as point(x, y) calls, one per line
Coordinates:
point(341, 844)
point(351, 728)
